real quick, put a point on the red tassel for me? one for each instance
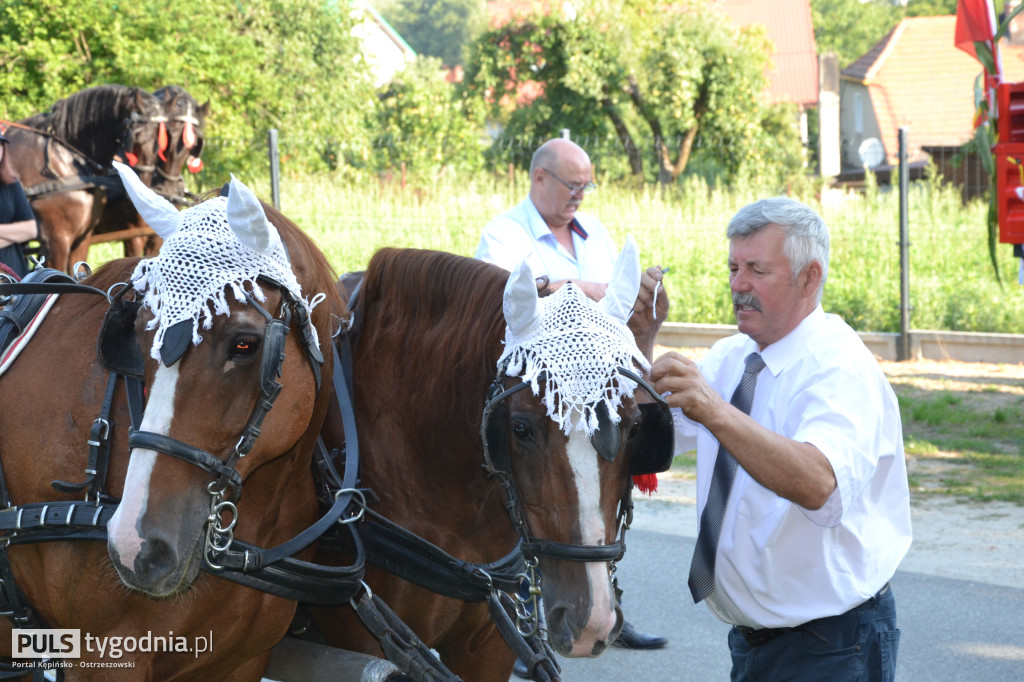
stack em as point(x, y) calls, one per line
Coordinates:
point(646, 483)
point(132, 159)
point(161, 140)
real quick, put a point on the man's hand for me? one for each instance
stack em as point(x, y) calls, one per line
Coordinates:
point(649, 310)
point(680, 377)
point(594, 290)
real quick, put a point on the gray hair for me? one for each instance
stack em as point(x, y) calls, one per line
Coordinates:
point(805, 231)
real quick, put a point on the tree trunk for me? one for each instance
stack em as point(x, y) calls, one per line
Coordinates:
point(636, 162)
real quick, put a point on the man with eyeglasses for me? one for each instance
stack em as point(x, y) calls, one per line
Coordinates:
point(547, 230)
point(562, 244)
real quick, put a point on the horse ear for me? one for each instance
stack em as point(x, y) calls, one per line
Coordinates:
point(158, 213)
point(521, 303)
point(248, 220)
point(625, 283)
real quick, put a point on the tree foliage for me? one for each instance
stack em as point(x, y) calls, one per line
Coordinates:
point(437, 28)
point(647, 89)
point(286, 64)
point(424, 125)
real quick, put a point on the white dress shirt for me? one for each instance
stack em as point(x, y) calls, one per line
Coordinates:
point(521, 234)
point(779, 564)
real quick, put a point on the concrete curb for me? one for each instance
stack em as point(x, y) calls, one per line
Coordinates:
point(924, 344)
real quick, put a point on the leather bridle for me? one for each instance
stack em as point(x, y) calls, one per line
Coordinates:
point(498, 465)
point(274, 337)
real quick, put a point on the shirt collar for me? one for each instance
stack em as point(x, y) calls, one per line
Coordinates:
point(539, 228)
point(785, 351)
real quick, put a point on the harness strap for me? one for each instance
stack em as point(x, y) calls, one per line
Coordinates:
point(99, 448)
point(534, 651)
point(400, 644)
point(567, 552)
point(23, 287)
point(188, 453)
point(66, 520)
point(299, 580)
point(400, 552)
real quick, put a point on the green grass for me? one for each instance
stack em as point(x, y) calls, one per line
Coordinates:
point(951, 279)
point(965, 447)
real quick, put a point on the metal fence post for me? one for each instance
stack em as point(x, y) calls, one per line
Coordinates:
point(904, 348)
point(275, 168)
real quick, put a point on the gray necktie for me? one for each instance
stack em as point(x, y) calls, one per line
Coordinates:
point(702, 568)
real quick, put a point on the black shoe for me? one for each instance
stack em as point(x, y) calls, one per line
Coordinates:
point(520, 671)
point(630, 638)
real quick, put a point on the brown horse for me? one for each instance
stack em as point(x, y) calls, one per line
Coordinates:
point(201, 398)
point(64, 154)
point(428, 335)
point(177, 142)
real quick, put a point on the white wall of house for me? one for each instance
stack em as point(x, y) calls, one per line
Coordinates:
point(857, 121)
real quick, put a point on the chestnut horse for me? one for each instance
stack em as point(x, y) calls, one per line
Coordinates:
point(428, 334)
point(201, 399)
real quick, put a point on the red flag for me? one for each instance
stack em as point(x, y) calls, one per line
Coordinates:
point(973, 24)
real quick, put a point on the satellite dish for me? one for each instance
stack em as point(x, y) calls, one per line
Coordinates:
point(871, 152)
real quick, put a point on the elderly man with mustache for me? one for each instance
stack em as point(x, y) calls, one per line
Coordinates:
point(802, 491)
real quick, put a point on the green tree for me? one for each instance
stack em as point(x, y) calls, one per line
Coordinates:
point(423, 124)
point(654, 83)
point(437, 28)
point(851, 27)
point(932, 8)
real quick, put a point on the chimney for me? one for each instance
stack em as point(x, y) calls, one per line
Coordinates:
point(828, 115)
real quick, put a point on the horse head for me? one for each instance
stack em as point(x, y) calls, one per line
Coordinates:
point(179, 142)
point(217, 308)
point(565, 450)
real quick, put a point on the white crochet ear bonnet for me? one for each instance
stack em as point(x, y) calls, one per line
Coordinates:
point(575, 343)
point(223, 242)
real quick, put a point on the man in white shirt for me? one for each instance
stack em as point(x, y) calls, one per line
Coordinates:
point(548, 231)
point(562, 244)
point(817, 517)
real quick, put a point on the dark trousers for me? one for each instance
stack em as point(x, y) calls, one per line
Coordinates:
point(860, 644)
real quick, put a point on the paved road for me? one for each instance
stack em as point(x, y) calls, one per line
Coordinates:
point(953, 630)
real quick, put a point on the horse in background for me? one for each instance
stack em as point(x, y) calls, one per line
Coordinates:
point(428, 336)
point(178, 143)
point(64, 156)
point(200, 398)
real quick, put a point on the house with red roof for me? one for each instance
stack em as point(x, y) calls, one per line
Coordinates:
point(793, 74)
point(916, 78)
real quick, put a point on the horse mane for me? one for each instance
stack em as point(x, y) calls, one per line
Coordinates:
point(313, 273)
point(442, 314)
point(91, 119)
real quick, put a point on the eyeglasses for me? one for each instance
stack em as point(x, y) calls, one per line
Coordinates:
point(573, 189)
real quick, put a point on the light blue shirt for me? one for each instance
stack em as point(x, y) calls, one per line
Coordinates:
point(521, 234)
point(778, 564)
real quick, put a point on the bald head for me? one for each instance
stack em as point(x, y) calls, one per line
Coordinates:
point(556, 166)
point(553, 153)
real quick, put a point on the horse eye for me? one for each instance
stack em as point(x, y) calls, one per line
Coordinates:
point(634, 428)
point(521, 430)
point(245, 345)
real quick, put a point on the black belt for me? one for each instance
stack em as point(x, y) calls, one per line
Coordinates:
point(760, 636)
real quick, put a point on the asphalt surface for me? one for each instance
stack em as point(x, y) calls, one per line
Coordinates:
point(952, 630)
